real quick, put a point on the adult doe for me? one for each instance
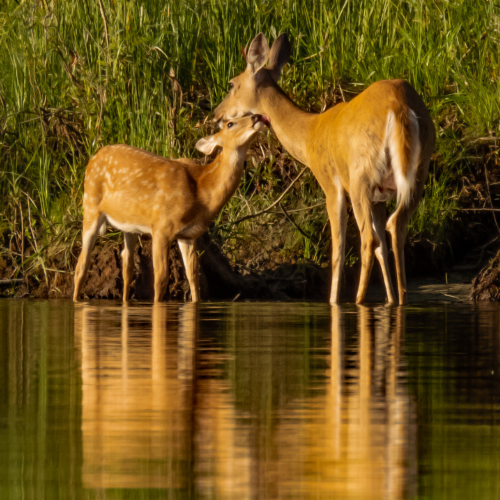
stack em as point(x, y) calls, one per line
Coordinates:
point(139, 192)
point(375, 148)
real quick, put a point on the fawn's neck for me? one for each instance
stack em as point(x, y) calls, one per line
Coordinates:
point(221, 178)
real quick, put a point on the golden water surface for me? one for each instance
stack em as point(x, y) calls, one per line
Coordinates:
point(248, 401)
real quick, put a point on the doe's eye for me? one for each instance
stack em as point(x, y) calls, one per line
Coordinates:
point(230, 124)
point(231, 85)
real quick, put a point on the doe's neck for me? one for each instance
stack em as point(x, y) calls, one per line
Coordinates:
point(291, 124)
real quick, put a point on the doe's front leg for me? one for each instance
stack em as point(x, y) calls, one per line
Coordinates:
point(337, 213)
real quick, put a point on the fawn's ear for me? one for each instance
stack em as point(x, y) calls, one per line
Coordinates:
point(207, 144)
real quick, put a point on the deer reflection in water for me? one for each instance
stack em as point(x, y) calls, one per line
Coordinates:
point(164, 410)
point(137, 397)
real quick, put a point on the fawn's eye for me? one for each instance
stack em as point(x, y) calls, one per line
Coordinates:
point(231, 85)
point(230, 124)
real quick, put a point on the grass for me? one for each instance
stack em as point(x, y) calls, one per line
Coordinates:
point(77, 75)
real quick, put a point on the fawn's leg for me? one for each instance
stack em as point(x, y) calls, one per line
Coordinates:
point(190, 258)
point(161, 246)
point(92, 222)
point(129, 242)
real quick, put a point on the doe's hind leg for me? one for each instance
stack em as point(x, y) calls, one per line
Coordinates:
point(379, 219)
point(91, 225)
point(397, 227)
point(361, 204)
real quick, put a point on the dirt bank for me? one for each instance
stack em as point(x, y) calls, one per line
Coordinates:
point(218, 279)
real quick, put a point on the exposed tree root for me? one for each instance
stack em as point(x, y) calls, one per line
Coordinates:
point(486, 285)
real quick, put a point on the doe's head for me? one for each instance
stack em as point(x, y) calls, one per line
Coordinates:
point(235, 134)
point(245, 90)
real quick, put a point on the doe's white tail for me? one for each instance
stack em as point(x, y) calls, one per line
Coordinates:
point(402, 140)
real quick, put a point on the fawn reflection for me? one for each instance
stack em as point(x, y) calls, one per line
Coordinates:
point(252, 411)
point(137, 376)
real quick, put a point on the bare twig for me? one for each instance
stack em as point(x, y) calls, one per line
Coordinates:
point(489, 195)
point(270, 207)
point(302, 209)
point(448, 295)
point(11, 282)
point(59, 271)
point(67, 69)
point(479, 210)
point(483, 249)
point(301, 231)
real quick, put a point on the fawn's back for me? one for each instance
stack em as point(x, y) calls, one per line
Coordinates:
point(138, 190)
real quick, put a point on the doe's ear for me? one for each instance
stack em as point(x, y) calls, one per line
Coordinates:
point(258, 53)
point(280, 53)
point(207, 144)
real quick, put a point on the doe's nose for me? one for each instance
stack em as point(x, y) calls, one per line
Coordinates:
point(261, 118)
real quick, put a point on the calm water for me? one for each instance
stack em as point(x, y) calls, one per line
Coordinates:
point(248, 400)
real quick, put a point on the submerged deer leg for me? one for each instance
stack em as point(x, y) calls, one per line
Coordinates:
point(190, 258)
point(129, 242)
point(379, 218)
point(91, 225)
point(161, 247)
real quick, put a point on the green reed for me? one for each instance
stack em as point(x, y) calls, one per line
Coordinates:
point(78, 74)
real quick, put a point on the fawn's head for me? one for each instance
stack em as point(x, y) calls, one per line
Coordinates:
point(245, 90)
point(235, 134)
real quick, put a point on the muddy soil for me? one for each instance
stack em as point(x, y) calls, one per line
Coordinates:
point(218, 279)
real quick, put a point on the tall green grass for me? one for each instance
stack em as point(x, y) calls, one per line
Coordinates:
point(75, 77)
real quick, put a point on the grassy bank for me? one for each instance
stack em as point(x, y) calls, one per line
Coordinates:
point(77, 74)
